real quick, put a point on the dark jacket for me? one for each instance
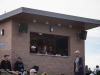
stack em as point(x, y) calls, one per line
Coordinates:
point(81, 64)
point(33, 51)
point(18, 66)
point(43, 52)
point(5, 65)
point(0, 66)
point(51, 53)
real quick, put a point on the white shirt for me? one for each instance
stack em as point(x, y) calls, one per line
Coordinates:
point(91, 74)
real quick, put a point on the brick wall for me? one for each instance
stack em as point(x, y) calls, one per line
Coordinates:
point(20, 46)
point(7, 38)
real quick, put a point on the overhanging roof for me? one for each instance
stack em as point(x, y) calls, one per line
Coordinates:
point(54, 18)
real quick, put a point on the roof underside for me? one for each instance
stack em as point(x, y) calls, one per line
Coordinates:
point(52, 18)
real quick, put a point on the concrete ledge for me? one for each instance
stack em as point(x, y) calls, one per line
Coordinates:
point(49, 55)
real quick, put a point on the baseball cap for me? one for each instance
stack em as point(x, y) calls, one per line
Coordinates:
point(6, 55)
point(33, 70)
point(33, 47)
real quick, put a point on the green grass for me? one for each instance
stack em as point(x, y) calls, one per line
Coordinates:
point(6, 74)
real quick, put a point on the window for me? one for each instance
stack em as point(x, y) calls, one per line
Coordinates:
point(58, 44)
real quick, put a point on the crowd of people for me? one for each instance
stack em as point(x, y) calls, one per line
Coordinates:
point(43, 51)
point(5, 66)
point(96, 71)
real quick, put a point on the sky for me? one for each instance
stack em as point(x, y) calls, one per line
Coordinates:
point(82, 8)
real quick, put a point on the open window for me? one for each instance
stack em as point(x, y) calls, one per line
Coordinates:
point(58, 43)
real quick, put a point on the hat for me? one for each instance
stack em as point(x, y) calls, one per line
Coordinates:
point(77, 51)
point(19, 57)
point(6, 55)
point(33, 47)
point(33, 70)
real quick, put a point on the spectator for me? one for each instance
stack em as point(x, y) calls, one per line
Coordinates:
point(19, 66)
point(33, 72)
point(89, 70)
point(5, 64)
point(44, 51)
point(78, 64)
point(97, 70)
point(50, 51)
point(86, 70)
point(33, 49)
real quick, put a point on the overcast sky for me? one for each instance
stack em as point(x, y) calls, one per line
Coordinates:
point(82, 8)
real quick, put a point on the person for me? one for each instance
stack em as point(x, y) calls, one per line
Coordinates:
point(97, 70)
point(78, 64)
point(91, 73)
point(86, 70)
point(33, 49)
point(89, 70)
point(44, 73)
point(50, 52)
point(19, 66)
point(44, 51)
point(5, 64)
point(33, 72)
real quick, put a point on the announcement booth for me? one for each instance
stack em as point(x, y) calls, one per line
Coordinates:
point(23, 28)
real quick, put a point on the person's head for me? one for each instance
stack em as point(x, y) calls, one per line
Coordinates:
point(77, 53)
point(45, 48)
point(20, 59)
point(50, 48)
point(86, 67)
point(89, 68)
point(33, 48)
point(97, 66)
point(6, 57)
point(44, 73)
point(33, 72)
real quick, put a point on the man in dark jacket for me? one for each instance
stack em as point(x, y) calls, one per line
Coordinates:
point(44, 51)
point(5, 64)
point(19, 66)
point(78, 64)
